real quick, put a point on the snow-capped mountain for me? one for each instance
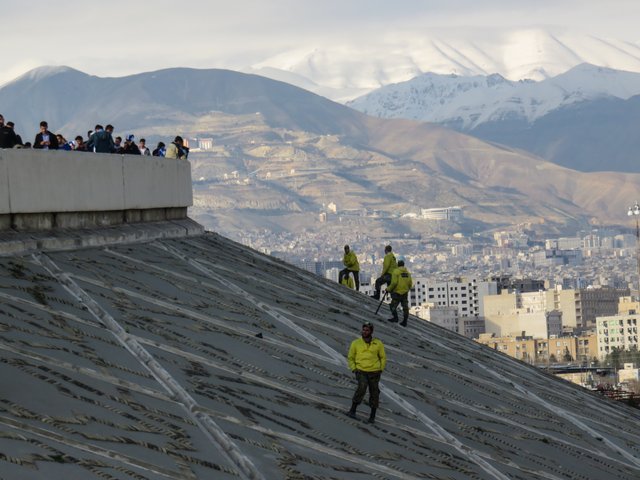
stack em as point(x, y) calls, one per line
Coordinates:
point(467, 102)
point(345, 70)
point(584, 119)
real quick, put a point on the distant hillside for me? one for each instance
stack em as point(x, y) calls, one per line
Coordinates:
point(591, 136)
point(73, 102)
point(282, 154)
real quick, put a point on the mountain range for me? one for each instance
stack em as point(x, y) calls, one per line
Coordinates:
point(343, 70)
point(281, 154)
point(583, 119)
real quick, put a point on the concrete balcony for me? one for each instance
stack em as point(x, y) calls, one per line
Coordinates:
point(49, 190)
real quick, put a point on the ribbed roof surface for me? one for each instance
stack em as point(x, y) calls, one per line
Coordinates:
point(199, 358)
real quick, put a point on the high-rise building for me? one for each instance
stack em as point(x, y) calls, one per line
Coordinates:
point(617, 332)
point(466, 294)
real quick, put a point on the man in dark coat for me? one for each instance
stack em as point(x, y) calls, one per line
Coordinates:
point(8, 137)
point(45, 140)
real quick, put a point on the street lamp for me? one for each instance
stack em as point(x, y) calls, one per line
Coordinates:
point(635, 212)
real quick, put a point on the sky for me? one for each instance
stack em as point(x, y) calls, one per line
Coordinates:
point(119, 37)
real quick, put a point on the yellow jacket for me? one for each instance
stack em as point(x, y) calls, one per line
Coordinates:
point(351, 261)
point(389, 264)
point(367, 357)
point(401, 281)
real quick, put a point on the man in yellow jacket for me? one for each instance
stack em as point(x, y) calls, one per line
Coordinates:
point(352, 265)
point(388, 266)
point(399, 287)
point(367, 360)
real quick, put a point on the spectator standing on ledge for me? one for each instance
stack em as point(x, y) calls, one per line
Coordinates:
point(130, 147)
point(45, 140)
point(100, 141)
point(18, 144)
point(367, 360)
point(176, 149)
point(79, 145)
point(7, 135)
point(117, 145)
point(352, 265)
point(160, 150)
point(142, 146)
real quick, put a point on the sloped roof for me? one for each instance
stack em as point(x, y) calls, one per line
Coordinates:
point(199, 358)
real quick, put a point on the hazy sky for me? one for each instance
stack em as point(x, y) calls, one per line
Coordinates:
point(119, 37)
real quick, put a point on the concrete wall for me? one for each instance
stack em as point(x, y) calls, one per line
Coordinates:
point(47, 189)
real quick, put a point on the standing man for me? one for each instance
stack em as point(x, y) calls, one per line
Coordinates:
point(388, 266)
point(367, 360)
point(351, 264)
point(100, 141)
point(176, 149)
point(8, 137)
point(45, 140)
point(130, 147)
point(144, 150)
point(401, 283)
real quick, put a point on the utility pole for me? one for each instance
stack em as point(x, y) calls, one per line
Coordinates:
point(635, 212)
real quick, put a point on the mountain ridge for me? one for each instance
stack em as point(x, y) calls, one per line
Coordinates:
point(559, 119)
point(294, 152)
point(345, 70)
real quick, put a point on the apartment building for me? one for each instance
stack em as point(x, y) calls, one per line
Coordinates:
point(524, 314)
point(446, 317)
point(542, 350)
point(617, 332)
point(466, 294)
point(580, 307)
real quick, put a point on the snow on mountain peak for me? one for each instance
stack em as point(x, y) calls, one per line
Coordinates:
point(465, 102)
point(536, 54)
point(39, 73)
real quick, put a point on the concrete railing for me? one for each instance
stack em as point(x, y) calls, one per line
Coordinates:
point(41, 190)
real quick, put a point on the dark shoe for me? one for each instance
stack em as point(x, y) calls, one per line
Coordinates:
point(372, 416)
point(376, 296)
point(403, 323)
point(392, 320)
point(352, 411)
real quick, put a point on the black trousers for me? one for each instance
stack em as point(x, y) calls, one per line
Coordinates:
point(356, 277)
point(367, 380)
point(399, 299)
point(386, 278)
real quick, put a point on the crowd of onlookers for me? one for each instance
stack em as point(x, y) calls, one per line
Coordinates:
point(99, 140)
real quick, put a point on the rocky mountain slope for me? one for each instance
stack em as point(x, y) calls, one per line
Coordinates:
point(582, 119)
point(283, 154)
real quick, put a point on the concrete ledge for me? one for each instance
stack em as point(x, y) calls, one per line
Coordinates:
point(23, 243)
point(33, 222)
point(38, 181)
point(5, 221)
